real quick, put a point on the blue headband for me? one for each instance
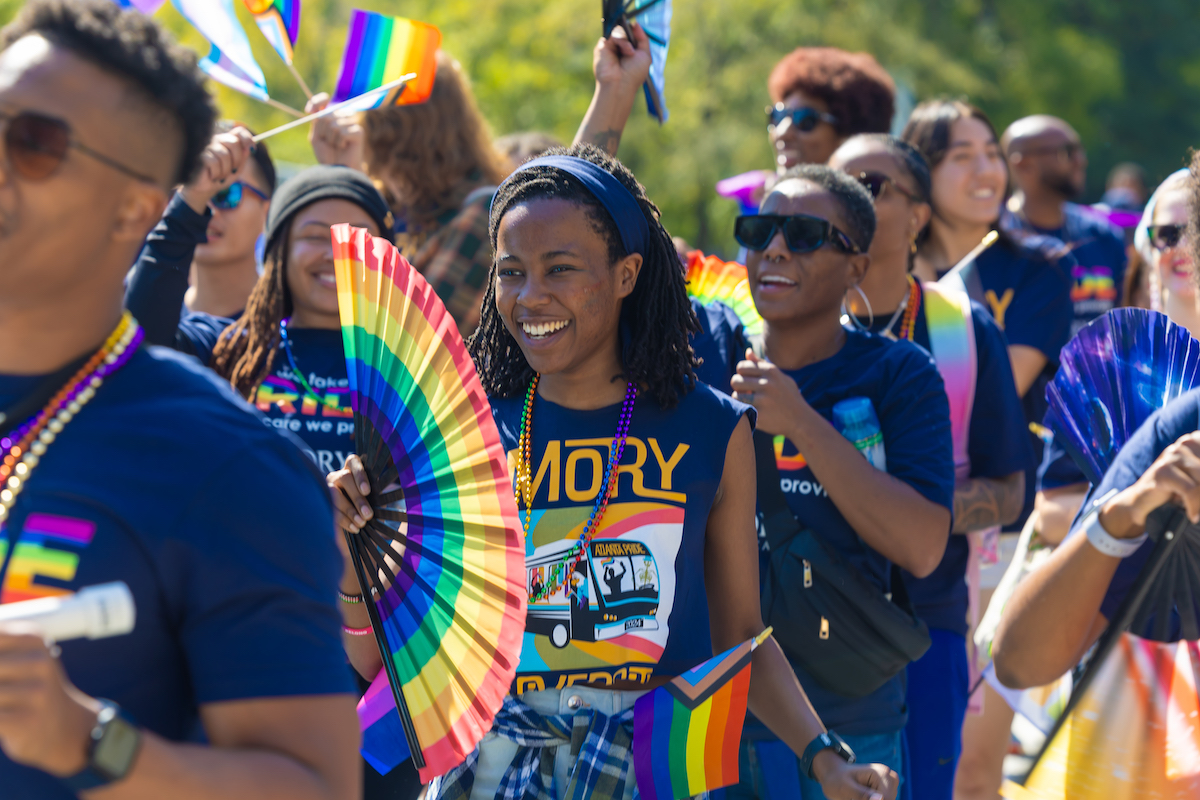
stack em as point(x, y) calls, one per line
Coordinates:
point(612, 194)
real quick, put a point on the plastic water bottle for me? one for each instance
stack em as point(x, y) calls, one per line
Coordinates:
point(855, 418)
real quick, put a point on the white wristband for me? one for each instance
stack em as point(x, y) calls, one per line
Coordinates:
point(1102, 540)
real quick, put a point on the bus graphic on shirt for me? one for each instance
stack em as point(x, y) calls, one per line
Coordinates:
point(606, 616)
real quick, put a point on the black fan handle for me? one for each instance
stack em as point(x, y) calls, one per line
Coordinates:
point(410, 732)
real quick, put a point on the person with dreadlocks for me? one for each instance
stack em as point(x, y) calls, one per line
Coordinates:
point(991, 450)
point(584, 330)
point(284, 353)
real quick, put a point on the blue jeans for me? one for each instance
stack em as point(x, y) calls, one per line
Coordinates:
point(937, 705)
point(769, 770)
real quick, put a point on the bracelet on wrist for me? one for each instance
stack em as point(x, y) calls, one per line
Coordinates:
point(357, 631)
point(1104, 541)
point(349, 598)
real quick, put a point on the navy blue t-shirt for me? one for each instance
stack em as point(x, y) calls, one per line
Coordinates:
point(720, 345)
point(1027, 290)
point(1098, 247)
point(910, 401)
point(997, 446)
point(1179, 417)
point(221, 529)
point(636, 605)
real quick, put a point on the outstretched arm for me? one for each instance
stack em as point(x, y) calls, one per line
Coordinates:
point(621, 67)
point(982, 503)
point(731, 581)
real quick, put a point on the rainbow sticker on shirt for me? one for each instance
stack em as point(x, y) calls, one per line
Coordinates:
point(1093, 283)
point(788, 463)
point(47, 548)
point(608, 620)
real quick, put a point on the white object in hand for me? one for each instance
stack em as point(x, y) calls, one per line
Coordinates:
point(95, 612)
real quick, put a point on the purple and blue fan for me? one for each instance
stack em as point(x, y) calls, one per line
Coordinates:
point(1115, 373)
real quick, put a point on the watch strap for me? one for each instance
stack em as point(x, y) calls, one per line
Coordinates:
point(1104, 541)
point(92, 776)
point(824, 741)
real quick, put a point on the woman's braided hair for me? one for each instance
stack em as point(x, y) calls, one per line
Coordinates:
point(656, 317)
point(246, 349)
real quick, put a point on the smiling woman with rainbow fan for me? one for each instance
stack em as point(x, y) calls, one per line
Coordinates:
point(584, 330)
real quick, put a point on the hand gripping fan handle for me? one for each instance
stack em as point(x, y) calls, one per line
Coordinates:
point(410, 732)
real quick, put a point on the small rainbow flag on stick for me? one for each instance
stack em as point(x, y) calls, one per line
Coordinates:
point(709, 279)
point(279, 21)
point(686, 734)
point(380, 49)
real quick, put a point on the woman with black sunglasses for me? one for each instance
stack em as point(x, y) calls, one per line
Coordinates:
point(991, 448)
point(1160, 241)
point(807, 254)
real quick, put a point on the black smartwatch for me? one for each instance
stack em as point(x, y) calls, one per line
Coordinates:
point(826, 740)
point(114, 746)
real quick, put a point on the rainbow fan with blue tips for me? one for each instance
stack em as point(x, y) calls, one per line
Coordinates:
point(1112, 376)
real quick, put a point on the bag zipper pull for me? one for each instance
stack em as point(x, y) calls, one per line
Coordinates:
point(824, 628)
point(807, 575)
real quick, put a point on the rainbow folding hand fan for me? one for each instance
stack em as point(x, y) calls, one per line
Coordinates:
point(443, 557)
point(709, 279)
point(1113, 375)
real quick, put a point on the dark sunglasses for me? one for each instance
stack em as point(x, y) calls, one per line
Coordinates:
point(875, 181)
point(231, 196)
point(802, 233)
point(37, 144)
point(803, 118)
point(1165, 236)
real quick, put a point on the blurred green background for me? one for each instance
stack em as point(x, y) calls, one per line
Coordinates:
point(1125, 73)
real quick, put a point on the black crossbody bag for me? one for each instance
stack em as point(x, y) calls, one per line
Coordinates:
point(828, 619)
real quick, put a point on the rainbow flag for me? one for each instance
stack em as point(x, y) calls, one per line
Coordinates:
point(230, 60)
point(686, 734)
point(710, 279)
point(380, 49)
point(279, 21)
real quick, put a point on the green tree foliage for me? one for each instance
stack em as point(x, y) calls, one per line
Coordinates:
point(1125, 74)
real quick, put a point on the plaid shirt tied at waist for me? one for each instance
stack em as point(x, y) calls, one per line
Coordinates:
point(599, 743)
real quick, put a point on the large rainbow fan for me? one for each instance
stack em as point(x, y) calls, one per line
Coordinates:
point(1132, 727)
point(709, 279)
point(443, 557)
point(1116, 372)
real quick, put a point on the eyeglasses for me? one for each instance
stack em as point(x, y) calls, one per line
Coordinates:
point(231, 196)
point(804, 118)
point(37, 144)
point(1163, 237)
point(875, 181)
point(802, 233)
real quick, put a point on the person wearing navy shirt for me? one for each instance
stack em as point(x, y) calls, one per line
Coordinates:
point(1059, 611)
point(991, 448)
point(233, 682)
point(285, 352)
point(811, 363)
point(1049, 168)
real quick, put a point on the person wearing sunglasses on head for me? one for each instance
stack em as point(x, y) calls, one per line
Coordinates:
point(1049, 169)
point(807, 253)
point(991, 448)
point(133, 464)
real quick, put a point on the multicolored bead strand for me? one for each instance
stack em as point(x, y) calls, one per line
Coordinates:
point(24, 447)
point(910, 312)
point(523, 484)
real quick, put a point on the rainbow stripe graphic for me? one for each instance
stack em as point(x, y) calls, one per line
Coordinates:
point(455, 615)
point(380, 49)
point(1134, 734)
point(279, 21)
point(39, 552)
point(1093, 283)
point(709, 279)
point(686, 734)
point(787, 463)
point(952, 340)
